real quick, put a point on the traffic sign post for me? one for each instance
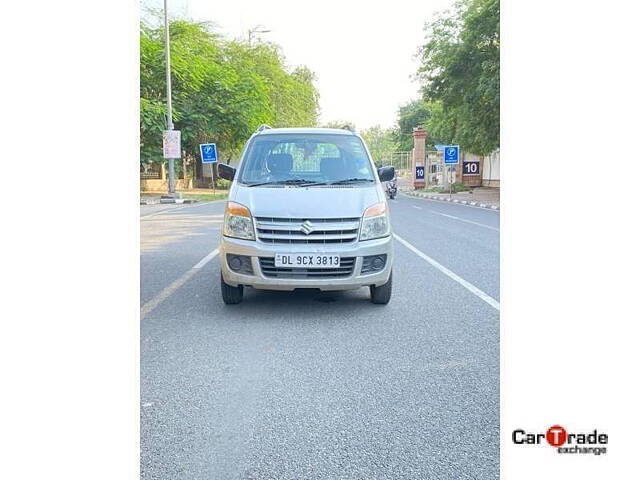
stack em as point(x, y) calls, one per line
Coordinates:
point(451, 154)
point(419, 172)
point(450, 158)
point(209, 154)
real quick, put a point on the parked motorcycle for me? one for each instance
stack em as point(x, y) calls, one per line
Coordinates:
point(392, 188)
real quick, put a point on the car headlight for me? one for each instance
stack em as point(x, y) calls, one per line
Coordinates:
point(238, 222)
point(375, 222)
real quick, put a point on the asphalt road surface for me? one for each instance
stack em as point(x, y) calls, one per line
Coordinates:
point(311, 385)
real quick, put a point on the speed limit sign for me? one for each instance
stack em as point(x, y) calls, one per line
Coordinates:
point(471, 168)
point(419, 173)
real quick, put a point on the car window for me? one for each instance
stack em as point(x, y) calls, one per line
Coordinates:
point(311, 157)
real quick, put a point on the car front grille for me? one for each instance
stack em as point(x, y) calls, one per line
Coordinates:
point(313, 230)
point(267, 265)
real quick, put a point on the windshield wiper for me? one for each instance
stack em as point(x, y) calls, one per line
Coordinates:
point(291, 181)
point(350, 180)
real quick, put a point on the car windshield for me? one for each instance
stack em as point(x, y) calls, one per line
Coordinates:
point(306, 159)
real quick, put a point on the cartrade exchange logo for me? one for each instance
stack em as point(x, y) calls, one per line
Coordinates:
point(556, 436)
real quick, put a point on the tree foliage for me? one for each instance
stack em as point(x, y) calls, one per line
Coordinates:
point(460, 75)
point(411, 115)
point(342, 124)
point(381, 143)
point(222, 90)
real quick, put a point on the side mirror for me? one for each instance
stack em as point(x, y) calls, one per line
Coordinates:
point(226, 171)
point(386, 173)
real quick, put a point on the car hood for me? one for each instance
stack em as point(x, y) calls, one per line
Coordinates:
point(307, 202)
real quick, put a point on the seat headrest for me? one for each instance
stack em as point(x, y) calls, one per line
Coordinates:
point(279, 162)
point(330, 165)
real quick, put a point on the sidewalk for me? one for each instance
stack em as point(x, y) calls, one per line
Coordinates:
point(484, 197)
point(150, 197)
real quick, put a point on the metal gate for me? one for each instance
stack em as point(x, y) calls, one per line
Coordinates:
point(401, 161)
point(435, 168)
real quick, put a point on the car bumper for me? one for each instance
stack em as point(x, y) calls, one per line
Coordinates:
point(355, 279)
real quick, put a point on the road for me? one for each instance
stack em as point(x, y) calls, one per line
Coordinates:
point(322, 385)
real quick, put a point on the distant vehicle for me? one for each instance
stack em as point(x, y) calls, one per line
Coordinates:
point(306, 209)
point(392, 188)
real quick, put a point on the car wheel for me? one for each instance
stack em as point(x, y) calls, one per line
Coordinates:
point(230, 295)
point(382, 294)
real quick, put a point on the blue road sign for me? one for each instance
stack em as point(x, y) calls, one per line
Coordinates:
point(208, 153)
point(451, 154)
point(419, 172)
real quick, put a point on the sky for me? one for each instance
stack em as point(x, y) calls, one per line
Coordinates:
point(363, 53)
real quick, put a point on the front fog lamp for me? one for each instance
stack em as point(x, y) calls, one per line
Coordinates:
point(238, 222)
point(375, 222)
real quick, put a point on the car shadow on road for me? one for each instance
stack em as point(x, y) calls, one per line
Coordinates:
point(298, 305)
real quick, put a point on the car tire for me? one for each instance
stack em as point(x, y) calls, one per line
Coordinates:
point(230, 295)
point(382, 294)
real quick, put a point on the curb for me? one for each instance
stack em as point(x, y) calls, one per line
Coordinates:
point(156, 201)
point(451, 200)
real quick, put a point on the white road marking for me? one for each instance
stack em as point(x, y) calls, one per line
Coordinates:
point(175, 285)
point(466, 221)
point(206, 259)
point(472, 288)
point(415, 206)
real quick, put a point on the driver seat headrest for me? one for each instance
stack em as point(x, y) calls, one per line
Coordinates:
point(279, 162)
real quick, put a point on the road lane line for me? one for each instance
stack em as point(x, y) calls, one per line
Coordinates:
point(466, 221)
point(415, 206)
point(472, 288)
point(175, 285)
point(206, 259)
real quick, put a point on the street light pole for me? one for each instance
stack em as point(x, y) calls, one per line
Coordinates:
point(172, 181)
point(255, 30)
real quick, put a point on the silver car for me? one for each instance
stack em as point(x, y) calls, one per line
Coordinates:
point(306, 209)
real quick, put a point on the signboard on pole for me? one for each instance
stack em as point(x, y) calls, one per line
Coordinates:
point(451, 154)
point(208, 153)
point(171, 144)
point(419, 172)
point(470, 168)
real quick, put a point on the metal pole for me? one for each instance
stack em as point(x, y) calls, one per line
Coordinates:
point(172, 180)
point(213, 180)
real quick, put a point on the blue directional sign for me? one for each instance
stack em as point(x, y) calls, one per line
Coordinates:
point(208, 153)
point(451, 154)
point(419, 172)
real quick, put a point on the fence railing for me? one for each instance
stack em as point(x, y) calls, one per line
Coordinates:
point(401, 160)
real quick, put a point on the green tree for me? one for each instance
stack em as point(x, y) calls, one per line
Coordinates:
point(292, 97)
point(410, 115)
point(381, 143)
point(460, 75)
point(342, 124)
point(222, 90)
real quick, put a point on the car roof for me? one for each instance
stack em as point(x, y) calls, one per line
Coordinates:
point(288, 131)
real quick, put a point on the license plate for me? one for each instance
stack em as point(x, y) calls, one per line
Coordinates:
point(306, 260)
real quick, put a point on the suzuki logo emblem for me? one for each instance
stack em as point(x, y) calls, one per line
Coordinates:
point(307, 227)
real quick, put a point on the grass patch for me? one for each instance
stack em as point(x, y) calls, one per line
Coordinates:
point(206, 197)
point(455, 188)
